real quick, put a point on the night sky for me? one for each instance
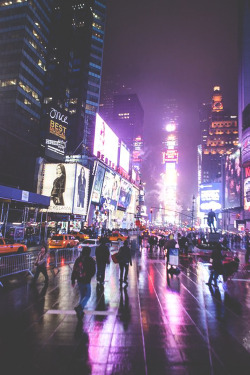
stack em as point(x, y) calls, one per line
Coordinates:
point(178, 49)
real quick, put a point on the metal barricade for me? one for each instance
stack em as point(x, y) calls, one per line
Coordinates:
point(13, 264)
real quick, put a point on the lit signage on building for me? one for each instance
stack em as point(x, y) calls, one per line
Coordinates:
point(124, 157)
point(105, 143)
point(169, 156)
point(171, 127)
point(210, 197)
point(233, 180)
point(56, 138)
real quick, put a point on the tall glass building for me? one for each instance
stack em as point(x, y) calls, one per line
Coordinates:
point(74, 67)
point(24, 31)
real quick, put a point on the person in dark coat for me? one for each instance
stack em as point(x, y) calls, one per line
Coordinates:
point(169, 244)
point(124, 257)
point(217, 265)
point(102, 259)
point(41, 265)
point(83, 270)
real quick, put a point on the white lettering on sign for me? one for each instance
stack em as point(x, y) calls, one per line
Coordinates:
point(57, 115)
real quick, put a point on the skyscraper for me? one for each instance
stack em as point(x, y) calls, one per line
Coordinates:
point(219, 136)
point(24, 34)
point(75, 67)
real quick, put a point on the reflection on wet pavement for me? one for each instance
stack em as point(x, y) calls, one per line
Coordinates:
point(161, 323)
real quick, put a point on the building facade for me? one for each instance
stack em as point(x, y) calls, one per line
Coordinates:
point(24, 36)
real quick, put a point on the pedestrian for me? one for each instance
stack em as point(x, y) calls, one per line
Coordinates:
point(83, 270)
point(217, 266)
point(41, 265)
point(247, 240)
point(102, 259)
point(124, 258)
point(169, 244)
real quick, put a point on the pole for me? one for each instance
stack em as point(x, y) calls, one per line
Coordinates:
point(193, 211)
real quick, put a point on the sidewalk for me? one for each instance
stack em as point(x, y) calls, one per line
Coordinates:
point(158, 325)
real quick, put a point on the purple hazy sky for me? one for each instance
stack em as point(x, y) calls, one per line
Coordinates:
point(173, 49)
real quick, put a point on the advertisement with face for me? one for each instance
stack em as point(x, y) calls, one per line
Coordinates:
point(232, 180)
point(66, 184)
point(134, 198)
point(110, 191)
point(81, 190)
point(58, 184)
point(210, 197)
point(97, 187)
point(125, 194)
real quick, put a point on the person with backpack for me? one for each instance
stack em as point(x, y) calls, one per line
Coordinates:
point(102, 258)
point(83, 270)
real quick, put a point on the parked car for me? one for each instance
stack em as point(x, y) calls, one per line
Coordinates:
point(61, 241)
point(117, 237)
point(9, 247)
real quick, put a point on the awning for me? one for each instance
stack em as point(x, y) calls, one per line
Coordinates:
point(9, 194)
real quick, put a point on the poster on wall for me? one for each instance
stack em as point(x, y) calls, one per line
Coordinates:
point(247, 193)
point(125, 194)
point(232, 180)
point(81, 190)
point(97, 186)
point(66, 194)
point(110, 191)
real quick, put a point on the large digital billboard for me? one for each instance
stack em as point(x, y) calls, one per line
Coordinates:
point(56, 135)
point(124, 157)
point(110, 191)
point(232, 180)
point(97, 186)
point(210, 197)
point(246, 188)
point(67, 186)
point(125, 194)
point(106, 143)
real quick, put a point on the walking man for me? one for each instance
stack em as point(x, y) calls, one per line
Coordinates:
point(41, 265)
point(124, 257)
point(83, 271)
point(102, 259)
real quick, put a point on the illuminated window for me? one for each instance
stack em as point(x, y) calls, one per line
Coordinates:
point(9, 82)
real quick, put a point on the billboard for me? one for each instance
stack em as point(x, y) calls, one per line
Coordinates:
point(232, 180)
point(105, 143)
point(110, 191)
point(124, 157)
point(170, 156)
point(67, 186)
point(56, 137)
point(97, 185)
point(246, 188)
point(210, 197)
point(245, 146)
point(125, 194)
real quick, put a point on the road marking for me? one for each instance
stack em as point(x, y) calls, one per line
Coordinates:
point(86, 312)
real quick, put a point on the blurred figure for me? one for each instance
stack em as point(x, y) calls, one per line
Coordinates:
point(217, 266)
point(247, 254)
point(210, 220)
point(124, 256)
point(83, 271)
point(102, 259)
point(41, 265)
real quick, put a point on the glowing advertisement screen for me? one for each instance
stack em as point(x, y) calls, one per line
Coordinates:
point(97, 186)
point(210, 197)
point(247, 193)
point(110, 191)
point(232, 180)
point(105, 142)
point(125, 194)
point(56, 137)
point(67, 186)
point(124, 157)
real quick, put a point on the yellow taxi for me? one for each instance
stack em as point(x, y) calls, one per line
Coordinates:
point(117, 237)
point(8, 247)
point(81, 236)
point(62, 241)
